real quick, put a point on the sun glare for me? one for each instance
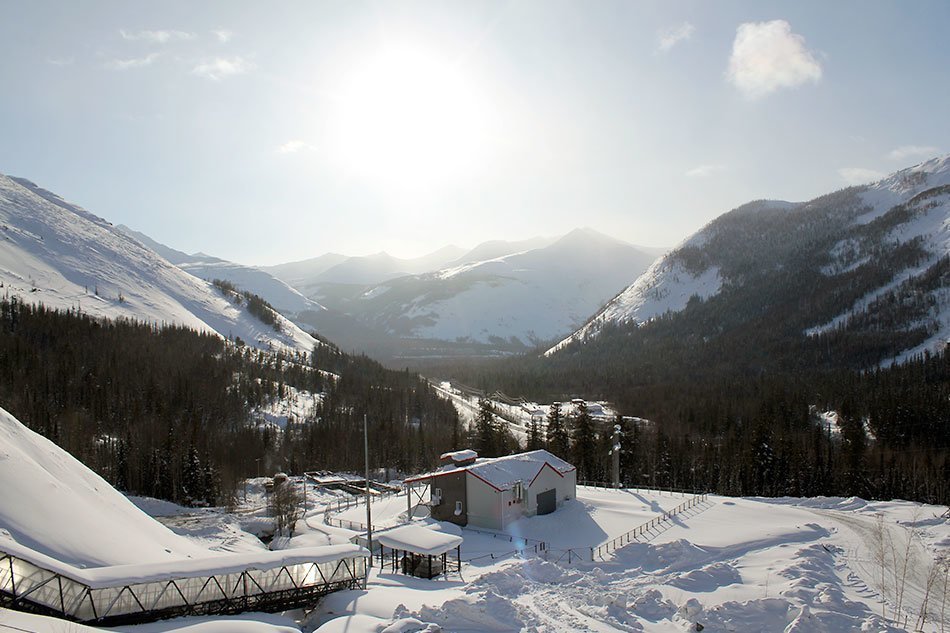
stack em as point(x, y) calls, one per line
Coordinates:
point(408, 118)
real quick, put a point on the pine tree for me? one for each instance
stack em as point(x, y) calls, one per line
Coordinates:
point(558, 440)
point(486, 433)
point(193, 479)
point(585, 443)
point(534, 436)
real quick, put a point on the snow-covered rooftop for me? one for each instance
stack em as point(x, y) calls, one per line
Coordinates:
point(503, 472)
point(459, 456)
point(419, 539)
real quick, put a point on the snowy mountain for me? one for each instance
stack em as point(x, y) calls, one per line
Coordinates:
point(501, 304)
point(839, 261)
point(309, 274)
point(493, 249)
point(56, 253)
point(279, 294)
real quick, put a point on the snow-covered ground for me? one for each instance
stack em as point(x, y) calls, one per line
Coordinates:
point(729, 564)
point(296, 405)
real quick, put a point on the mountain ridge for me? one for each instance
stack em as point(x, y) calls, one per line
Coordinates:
point(57, 253)
point(710, 262)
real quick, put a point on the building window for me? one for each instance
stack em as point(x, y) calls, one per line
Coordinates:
point(436, 496)
point(517, 492)
point(458, 508)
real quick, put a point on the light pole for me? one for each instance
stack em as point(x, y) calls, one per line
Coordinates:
point(369, 514)
point(615, 454)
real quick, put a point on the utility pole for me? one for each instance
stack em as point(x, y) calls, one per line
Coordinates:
point(369, 514)
point(615, 453)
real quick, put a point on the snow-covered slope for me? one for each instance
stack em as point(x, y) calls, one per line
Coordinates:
point(698, 267)
point(279, 294)
point(58, 254)
point(516, 299)
point(51, 503)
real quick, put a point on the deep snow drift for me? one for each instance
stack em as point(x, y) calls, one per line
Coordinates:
point(53, 504)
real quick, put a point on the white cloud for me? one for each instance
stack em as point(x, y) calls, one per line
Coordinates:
point(61, 61)
point(156, 37)
point(704, 170)
point(767, 56)
point(669, 37)
point(222, 67)
point(295, 145)
point(911, 151)
point(134, 62)
point(859, 175)
point(224, 36)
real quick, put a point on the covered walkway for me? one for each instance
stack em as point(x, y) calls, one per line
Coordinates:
point(128, 594)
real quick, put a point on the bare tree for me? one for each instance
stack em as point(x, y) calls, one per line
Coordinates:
point(285, 506)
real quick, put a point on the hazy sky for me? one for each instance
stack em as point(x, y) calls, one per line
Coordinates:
point(265, 132)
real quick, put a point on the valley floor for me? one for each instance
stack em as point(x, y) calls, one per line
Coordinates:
point(727, 564)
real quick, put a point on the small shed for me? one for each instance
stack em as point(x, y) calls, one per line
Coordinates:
point(419, 551)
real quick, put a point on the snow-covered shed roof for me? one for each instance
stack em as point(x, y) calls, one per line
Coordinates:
point(459, 456)
point(503, 472)
point(419, 540)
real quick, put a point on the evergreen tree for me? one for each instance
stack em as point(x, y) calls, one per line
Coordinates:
point(193, 479)
point(486, 432)
point(535, 441)
point(558, 440)
point(585, 443)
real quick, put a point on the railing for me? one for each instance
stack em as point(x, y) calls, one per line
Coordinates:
point(345, 504)
point(340, 505)
point(343, 523)
point(151, 593)
point(640, 488)
point(634, 534)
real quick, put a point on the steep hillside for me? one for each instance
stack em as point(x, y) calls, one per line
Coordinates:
point(254, 280)
point(502, 304)
point(864, 260)
point(58, 254)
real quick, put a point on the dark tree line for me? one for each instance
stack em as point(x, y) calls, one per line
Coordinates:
point(166, 411)
point(727, 417)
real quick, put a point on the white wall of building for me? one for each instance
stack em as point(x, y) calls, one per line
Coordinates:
point(494, 509)
point(484, 504)
point(547, 479)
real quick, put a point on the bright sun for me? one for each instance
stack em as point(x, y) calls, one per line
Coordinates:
point(409, 119)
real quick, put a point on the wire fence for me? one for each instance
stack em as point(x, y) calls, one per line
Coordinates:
point(339, 505)
point(624, 487)
point(634, 535)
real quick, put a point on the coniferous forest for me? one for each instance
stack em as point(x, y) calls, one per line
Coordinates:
point(719, 415)
point(167, 412)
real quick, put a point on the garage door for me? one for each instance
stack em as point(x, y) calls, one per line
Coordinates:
point(547, 501)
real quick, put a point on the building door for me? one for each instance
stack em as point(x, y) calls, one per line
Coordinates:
point(547, 501)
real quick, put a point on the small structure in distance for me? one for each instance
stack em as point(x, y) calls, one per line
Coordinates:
point(494, 492)
point(419, 551)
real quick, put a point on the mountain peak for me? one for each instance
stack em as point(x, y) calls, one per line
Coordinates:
point(586, 235)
